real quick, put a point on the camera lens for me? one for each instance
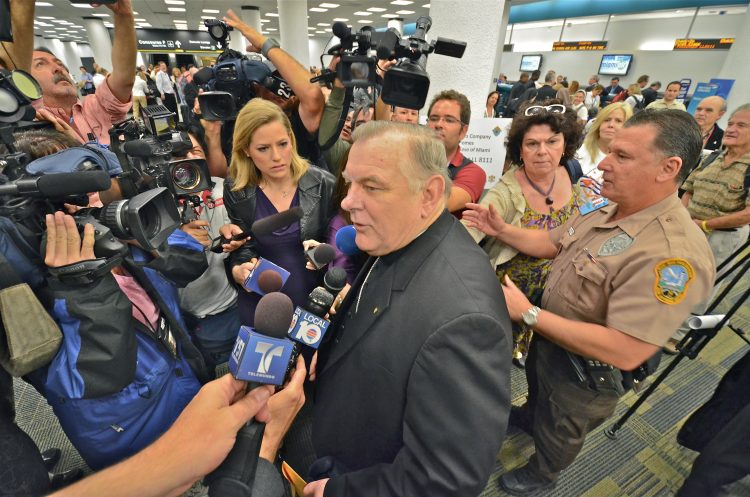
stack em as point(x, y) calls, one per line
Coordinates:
point(186, 176)
point(360, 71)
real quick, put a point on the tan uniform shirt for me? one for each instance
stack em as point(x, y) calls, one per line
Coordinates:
point(661, 105)
point(640, 275)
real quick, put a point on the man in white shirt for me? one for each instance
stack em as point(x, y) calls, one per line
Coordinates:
point(166, 90)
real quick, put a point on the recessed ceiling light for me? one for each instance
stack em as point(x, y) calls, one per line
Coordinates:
point(402, 2)
point(61, 28)
point(174, 2)
point(310, 28)
point(324, 24)
point(180, 21)
point(272, 14)
point(45, 17)
point(139, 19)
point(271, 29)
point(377, 9)
point(329, 5)
point(50, 31)
point(389, 16)
point(318, 9)
point(340, 19)
point(426, 6)
point(145, 24)
point(176, 9)
point(211, 11)
point(83, 5)
point(100, 14)
point(135, 13)
point(181, 27)
point(404, 12)
point(208, 17)
point(43, 4)
point(362, 13)
point(364, 21)
point(263, 21)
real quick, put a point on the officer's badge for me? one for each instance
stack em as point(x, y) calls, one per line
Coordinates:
point(672, 279)
point(615, 245)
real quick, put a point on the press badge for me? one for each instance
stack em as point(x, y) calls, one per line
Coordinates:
point(591, 197)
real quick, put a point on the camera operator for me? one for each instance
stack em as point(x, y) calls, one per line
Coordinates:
point(126, 366)
point(93, 114)
point(306, 109)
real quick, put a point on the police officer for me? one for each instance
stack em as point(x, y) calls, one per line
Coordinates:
point(625, 273)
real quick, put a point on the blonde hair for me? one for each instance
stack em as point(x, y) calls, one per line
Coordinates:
point(255, 114)
point(426, 153)
point(591, 143)
point(634, 89)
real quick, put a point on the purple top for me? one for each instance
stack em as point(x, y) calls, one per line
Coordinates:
point(282, 247)
point(351, 265)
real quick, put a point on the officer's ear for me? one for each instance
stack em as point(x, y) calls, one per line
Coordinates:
point(669, 169)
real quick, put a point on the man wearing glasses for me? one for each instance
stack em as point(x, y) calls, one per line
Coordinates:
point(449, 116)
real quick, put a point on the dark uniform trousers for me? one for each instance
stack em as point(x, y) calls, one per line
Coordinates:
point(562, 410)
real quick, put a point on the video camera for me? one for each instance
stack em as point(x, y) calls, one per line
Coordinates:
point(406, 84)
point(147, 158)
point(229, 83)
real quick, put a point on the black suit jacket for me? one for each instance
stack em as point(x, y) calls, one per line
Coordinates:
point(413, 391)
point(613, 90)
point(714, 139)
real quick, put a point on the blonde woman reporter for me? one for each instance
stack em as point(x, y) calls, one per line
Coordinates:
point(596, 144)
point(267, 176)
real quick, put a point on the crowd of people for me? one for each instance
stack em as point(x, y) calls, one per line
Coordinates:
point(580, 264)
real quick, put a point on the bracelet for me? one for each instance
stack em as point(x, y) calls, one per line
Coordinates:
point(268, 45)
point(705, 227)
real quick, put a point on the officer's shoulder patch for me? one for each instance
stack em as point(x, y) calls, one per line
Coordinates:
point(672, 279)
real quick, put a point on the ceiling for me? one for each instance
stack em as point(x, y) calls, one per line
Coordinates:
point(61, 19)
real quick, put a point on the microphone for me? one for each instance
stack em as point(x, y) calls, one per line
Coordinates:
point(270, 281)
point(321, 255)
point(345, 240)
point(236, 474)
point(334, 280)
point(59, 184)
point(309, 325)
point(341, 30)
point(260, 281)
point(264, 226)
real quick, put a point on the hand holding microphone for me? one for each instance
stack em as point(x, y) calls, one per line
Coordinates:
point(318, 254)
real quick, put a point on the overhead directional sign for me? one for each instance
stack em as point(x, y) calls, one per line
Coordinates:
point(703, 44)
point(175, 41)
point(566, 46)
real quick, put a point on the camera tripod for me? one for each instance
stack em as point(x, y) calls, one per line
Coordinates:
point(695, 340)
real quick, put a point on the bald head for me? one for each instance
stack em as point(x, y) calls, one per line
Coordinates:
point(710, 110)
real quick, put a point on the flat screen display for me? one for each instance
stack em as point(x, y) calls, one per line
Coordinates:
point(615, 65)
point(531, 62)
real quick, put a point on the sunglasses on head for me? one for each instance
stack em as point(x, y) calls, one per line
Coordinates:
point(538, 109)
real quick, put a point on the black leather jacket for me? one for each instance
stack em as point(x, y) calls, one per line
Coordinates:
point(316, 188)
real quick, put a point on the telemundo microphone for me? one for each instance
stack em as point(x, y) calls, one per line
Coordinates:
point(345, 240)
point(309, 324)
point(260, 355)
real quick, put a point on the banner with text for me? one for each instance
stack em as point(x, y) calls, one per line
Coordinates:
point(175, 41)
point(703, 43)
point(485, 144)
point(575, 46)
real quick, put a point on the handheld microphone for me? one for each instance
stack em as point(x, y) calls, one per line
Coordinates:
point(59, 184)
point(321, 255)
point(261, 270)
point(345, 240)
point(264, 226)
point(309, 325)
point(270, 281)
point(262, 351)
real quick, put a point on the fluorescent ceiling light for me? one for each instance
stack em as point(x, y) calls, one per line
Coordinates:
point(364, 21)
point(377, 9)
point(145, 24)
point(426, 6)
point(82, 5)
point(362, 13)
point(211, 11)
point(389, 16)
point(402, 2)
point(43, 4)
point(318, 9)
point(324, 24)
point(321, 32)
point(208, 17)
point(176, 9)
point(310, 28)
point(404, 12)
point(139, 19)
point(45, 17)
point(179, 21)
point(174, 2)
point(100, 14)
point(329, 5)
point(341, 19)
point(271, 29)
point(272, 14)
point(135, 13)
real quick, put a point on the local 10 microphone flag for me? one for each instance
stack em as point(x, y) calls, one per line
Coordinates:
point(307, 328)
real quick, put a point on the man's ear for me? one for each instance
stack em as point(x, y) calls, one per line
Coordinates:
point(432, 194)
point(670, 169)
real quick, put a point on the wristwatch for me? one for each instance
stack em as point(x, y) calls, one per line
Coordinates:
point(268, 45)
point(530, 317)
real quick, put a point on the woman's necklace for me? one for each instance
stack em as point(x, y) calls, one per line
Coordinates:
point(546, 195)
point(284, 193)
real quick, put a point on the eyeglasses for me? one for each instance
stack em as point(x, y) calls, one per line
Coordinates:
point(447, 119)
point(538, 109)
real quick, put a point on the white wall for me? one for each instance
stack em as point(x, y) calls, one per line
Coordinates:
point(316, 48)
point(626, 35)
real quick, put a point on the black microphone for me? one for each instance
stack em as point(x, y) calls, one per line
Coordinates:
point(334, 280)
point(236, 474)
point(341, 30)
point(59, 185)
point(264, 226)
point(321, 255)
